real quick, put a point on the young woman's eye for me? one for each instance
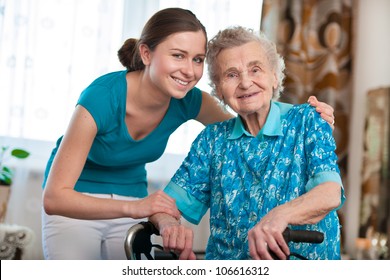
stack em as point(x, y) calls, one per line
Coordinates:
point(178, 55)
point(199, 60)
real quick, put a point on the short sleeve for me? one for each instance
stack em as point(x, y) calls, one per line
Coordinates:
point(192, 209)
point(193, 180)
point(320, 147)
point(98, 100)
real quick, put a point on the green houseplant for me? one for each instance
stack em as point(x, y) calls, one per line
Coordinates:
point(6, 173)
point(6, 176)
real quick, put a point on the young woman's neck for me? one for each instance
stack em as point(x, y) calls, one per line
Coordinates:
point(142, 93)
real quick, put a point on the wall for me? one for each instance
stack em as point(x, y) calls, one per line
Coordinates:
point(371, 70)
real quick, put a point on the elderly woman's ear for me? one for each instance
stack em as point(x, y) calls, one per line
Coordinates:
point(219, 94)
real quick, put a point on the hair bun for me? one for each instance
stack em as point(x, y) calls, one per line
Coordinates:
point(126, 52)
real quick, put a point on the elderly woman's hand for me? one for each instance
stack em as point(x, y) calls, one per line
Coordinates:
point(176, 237)
point(179, 239)
point(267, 235)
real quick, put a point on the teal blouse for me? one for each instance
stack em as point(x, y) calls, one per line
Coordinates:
point(241, 178)
point(116, 162)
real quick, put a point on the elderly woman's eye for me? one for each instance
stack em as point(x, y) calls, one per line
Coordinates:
point(232, 75)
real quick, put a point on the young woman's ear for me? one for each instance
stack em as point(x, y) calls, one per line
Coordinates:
point(145, 54)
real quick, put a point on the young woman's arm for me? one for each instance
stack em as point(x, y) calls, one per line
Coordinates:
point(211, 111)
point(59, 196)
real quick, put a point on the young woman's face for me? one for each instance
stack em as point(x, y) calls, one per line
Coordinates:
point(246, 79)
point(176, 65)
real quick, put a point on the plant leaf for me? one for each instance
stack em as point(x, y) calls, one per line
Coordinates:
point(5, 179)
point(6, 172)
point(19, 153)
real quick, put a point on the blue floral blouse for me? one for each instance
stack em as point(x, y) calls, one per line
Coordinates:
point(241, 178)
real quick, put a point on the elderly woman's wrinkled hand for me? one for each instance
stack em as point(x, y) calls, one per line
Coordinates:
point(179, 239)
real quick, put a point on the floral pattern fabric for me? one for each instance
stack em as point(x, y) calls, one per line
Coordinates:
point(241, 178)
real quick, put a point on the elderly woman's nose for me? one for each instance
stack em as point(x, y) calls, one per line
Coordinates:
point(245, 80)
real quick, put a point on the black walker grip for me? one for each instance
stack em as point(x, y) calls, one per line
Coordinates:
point(305, 236)
point(299, 236)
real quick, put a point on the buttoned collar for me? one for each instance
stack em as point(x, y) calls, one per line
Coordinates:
point(272, 126)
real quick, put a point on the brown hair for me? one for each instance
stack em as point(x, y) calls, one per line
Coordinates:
point(161, 25)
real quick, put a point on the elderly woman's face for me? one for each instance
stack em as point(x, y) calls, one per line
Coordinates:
point(246, 81)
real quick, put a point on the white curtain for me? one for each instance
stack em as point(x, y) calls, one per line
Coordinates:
point(215, 15)
point(50, 51)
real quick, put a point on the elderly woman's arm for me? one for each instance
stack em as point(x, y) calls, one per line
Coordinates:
point(309, 208)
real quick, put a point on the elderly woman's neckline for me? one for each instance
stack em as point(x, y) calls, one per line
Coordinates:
point(254, 122)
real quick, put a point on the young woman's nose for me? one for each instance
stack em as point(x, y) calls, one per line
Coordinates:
point(188, 68)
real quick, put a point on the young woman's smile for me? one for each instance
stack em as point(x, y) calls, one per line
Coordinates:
point(176, 65)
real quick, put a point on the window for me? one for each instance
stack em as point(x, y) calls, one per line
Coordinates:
point(51, 50)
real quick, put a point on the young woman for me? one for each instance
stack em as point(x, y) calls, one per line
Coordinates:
point(95, 186)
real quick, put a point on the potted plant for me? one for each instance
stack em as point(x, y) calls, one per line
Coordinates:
point(6, 175)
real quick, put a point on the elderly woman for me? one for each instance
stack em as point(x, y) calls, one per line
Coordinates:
point(273, 166)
